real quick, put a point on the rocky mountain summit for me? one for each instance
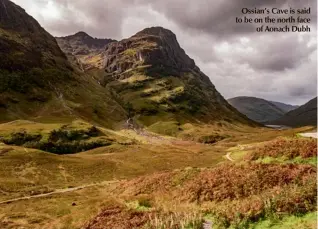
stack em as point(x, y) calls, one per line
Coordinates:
point(152, 73)
point(82, 44)
point(83, 50)
point(154, 46)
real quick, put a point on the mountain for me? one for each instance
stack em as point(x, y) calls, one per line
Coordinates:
point(84, 48)
point(36, 79)
point(158, 81)
point(285, 107)
point(305, 115)
point(147, 77)
point(259, 110)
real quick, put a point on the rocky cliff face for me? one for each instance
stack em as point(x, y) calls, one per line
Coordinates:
point(83, 50)
point(155, 46)
point(153, 73)
point(82, 44)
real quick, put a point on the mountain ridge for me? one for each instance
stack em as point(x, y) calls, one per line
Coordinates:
point(83, 50)
point(305, 115)
point(285, 107)
point(257, 109)
point(89, 43)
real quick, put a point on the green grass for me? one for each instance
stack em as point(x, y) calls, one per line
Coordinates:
point(307, 221)
point(130, 52)
point(141, 204)
point(284, 160)
point(171, 128)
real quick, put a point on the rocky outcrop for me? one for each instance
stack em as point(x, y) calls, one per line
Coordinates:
point(83, 50)
point(82, 44)
point(154, 46)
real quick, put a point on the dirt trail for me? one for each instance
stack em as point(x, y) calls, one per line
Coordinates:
point(58, 191)
point(228, 156)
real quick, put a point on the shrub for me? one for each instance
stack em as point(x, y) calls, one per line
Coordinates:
point(20, 138)
point(144, 202)
point(73, 135)
point(210, 139)
point(68, 147)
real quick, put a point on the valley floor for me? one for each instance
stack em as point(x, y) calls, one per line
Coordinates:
point(133, 177)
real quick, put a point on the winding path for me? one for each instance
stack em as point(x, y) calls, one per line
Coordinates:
point(228, 156)
point(58, 191)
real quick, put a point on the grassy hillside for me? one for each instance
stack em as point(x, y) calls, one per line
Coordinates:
point(245, 195)
point(285, 107)
point(37, 81)
point(305, 115)
point(163, 163)
point(259, 110)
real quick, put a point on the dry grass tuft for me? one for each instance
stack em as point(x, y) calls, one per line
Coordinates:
point(286, 147)
point(237, 182)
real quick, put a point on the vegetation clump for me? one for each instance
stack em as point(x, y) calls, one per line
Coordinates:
point(61, 141)
point(68, 147)
point(210, 139)
point(289, 148)
point(242, 181)
point(21, 138)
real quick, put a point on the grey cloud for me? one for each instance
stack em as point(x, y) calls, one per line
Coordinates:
point(218, 17)
point(280, 52)
point(100, 18)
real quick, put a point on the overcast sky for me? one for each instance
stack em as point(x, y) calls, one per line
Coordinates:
point(240, 62)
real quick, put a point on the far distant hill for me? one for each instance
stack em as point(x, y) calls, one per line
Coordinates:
point(305, 115)
point(285, 107)
point(259, 110)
